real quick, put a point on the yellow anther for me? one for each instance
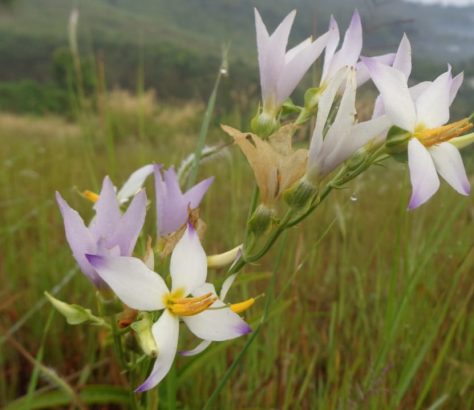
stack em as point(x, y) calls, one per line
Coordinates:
point(242, 306)
point(91, 196)
point(189, 306)
point(433, 136)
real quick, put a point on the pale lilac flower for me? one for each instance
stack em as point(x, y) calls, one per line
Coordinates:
point(345, 135)
point(422, 111)
point(172, 205)
point(281, 70)
point(142, 289)
point(109, 233)
point(349, 53)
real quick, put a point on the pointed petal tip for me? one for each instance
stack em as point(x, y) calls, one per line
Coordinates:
point(94, 260)
point(244, 329)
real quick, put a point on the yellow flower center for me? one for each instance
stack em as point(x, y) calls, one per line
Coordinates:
point(432, 136)
point(185, 306)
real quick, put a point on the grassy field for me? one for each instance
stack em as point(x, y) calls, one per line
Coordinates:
point(369, 305)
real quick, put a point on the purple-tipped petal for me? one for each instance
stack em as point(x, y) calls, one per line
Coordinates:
point(165, 332)
point(131, 280)
point(171, 207)
point(423, 176)
point(130, 225)
point(362, 73)
point(79, 238)
point(107, 211)
point(349, 53)
point(448, 163)
point(217, 324)
point(194, 195)
point(432, 106)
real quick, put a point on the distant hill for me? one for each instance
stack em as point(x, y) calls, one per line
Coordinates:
point(179, 41)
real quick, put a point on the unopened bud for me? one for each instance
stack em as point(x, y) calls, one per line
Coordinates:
point(74, 314)
point(300, 194)
point(311, 99)
point(397, 140)
point(223, 259)
point(144, 335)
point(462, 142)
point(264, 124)
point(260, 221)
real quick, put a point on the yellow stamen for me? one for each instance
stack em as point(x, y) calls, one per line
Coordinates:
point(242, 306)
point(433, 136)
point(188, 306)
point(91, 196)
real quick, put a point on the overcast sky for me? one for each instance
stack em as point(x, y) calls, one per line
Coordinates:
point(459, 3)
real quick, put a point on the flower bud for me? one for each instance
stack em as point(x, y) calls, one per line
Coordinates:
point(74, 314)
point(300, 194)
point(463, 141)
point(264, 124)
point(260, 221)
point(311, 99)
point(144, 335)
point(397, 140)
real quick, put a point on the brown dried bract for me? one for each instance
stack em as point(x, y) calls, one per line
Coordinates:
point(275, 164)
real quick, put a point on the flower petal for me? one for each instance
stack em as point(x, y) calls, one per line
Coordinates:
point(171, 207)
point(166, 332)
point(423, 176)
point(432, 106)
point(362, 73)
point(130, 225)
point(79, 238)
point(134, 183)
point(448, 163)
point(351, 46)
point(455, 85)
point(331, 46)
point(218, 324)
point(107, 211)
point(194, 195)
point(294, 70)
point(271, 54)
point(392, 85)
point(135, 284)
point(198, 349)
point(226, 286)
point(188, 265)
point(402, 61)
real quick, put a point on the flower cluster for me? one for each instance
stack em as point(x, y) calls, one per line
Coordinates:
point(409, 122)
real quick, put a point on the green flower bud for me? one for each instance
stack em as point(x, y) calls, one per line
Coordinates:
point(74, 314)
point(264, 124)
point(397, 140)
point(260, 221)
point(300, 194)
point(311, 99)
point(144, 335)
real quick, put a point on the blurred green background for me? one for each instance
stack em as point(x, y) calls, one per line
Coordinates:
point(371, 305)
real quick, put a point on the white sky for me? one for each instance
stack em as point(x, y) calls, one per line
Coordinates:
point(458, 3)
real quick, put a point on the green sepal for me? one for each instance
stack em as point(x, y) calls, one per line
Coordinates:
point(397, 140)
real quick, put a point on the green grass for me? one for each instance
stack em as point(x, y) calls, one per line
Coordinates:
point(370, 306)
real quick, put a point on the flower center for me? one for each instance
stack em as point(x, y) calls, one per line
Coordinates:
point(185, 306)
point(433, 136)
